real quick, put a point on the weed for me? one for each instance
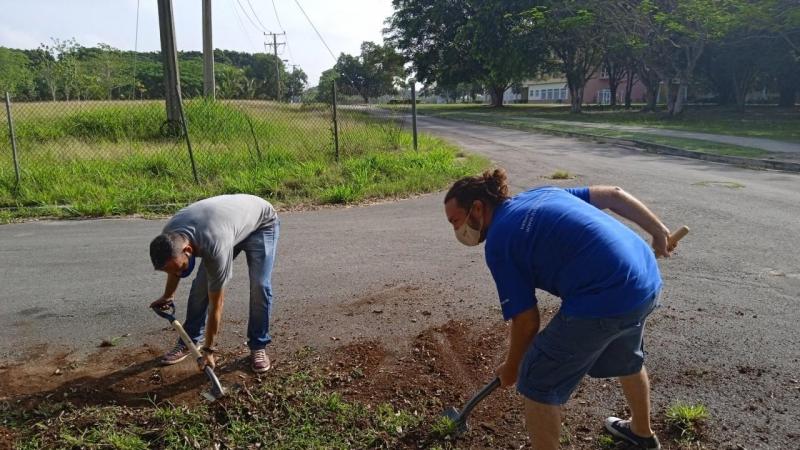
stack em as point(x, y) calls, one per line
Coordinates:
point(444, 427)
point(561, 175)
point(687, 420)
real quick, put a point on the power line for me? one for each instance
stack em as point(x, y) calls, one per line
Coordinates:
point(276, 15)
point(241, 25)
point(135, 50)
point(278, 19)
point(248, 16)
point(256, 16)
point(315, 30)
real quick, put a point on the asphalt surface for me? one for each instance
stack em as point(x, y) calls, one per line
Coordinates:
point(390, 270)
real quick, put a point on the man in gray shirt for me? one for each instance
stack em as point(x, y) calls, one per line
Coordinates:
point(216, 230)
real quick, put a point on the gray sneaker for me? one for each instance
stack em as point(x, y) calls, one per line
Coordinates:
point(176, 355)
point(622, 430)
point(260, 362)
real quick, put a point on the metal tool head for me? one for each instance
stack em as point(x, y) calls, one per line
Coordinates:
point(460, 424)
point(460, 418)
point(217, 391)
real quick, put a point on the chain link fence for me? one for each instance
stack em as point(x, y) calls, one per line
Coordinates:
point(247, 145)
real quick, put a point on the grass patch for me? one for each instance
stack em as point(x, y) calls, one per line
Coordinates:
point(291, 412)
point(96, 159)
point(725, 184)
point(561, 175)
point(503, 119)
point(444, 427)
point(606, 442)
point(757, 121)
point(687, 420)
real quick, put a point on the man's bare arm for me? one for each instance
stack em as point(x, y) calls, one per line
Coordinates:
point(629, 207)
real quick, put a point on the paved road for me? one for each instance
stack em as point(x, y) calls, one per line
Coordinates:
point(391, 270)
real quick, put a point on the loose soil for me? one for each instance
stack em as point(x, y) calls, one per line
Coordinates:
point(441, 362)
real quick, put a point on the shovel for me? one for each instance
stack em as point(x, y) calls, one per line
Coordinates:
point(460, 418)
point(216, 391)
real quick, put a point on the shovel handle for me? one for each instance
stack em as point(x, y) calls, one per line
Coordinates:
point(678, 235)
point(480, 395)
point(169, 314)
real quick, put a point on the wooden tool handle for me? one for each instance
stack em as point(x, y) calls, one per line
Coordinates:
point(679, 234)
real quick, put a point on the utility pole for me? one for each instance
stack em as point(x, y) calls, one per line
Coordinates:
point(169, 55)
point(209, 86)
point(275, 45)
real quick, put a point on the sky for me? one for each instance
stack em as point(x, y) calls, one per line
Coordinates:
point(238, 25)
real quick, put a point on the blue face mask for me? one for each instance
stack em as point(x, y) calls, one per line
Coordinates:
point(189, 269)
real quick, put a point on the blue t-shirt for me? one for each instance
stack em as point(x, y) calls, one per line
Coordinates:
point(555, 240)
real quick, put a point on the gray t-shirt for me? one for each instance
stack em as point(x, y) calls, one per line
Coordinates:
point(215, 225)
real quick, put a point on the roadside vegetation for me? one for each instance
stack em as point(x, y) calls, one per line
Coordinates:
point(307, 402)
point(100, 159)
point(536, 118)
point(687, 421)
point(758, 121)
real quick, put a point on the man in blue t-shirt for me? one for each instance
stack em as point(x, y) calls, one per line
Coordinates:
point(560, 241)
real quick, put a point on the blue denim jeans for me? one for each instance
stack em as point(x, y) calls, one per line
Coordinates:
point(259, 249)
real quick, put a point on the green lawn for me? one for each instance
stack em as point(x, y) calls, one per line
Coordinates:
point(111, 158)
point(758, 121)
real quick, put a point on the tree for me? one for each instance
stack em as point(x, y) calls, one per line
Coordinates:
point(104, 71)
point(671, 36)
point(619, 63)
point(458, 41)
point(574, 32)
point(734, 64)
point(372, 73)
point(262, 69)
point(296, 82)
point(324, 90)
point(15, 73)
point(230, 80)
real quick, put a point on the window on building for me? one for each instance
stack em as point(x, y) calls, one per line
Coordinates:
point(563, 93)
point(604, 97)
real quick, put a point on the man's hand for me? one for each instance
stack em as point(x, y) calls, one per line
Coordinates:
point(507, 374)
point(661, 244)
point(207, 360)
point(162, 303)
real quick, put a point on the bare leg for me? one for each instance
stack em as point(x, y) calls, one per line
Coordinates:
point(637, 392)
point(544, 424)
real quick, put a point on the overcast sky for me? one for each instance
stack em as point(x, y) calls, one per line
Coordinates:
point(238, 25)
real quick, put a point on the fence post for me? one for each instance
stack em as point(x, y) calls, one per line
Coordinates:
point(414, 111)
point(13, 137)
point(188, 142)
point(335, 124)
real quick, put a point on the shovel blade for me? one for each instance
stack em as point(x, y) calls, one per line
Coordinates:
point(460, 422)
point(217, 391)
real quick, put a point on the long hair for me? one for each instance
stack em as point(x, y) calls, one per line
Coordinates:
point(491, 188)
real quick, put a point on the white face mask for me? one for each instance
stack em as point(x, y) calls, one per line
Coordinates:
point(467, 235)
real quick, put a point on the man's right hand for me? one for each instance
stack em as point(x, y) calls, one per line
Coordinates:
point(162, 303)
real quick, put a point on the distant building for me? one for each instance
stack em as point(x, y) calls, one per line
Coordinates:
point(554, 90)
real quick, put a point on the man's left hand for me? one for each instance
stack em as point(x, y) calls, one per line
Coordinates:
point(207, 360)
point(661, 244)
point(507, 375)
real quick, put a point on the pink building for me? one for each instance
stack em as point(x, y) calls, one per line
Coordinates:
point(596, 91)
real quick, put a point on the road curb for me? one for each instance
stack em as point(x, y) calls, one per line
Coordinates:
point(660, 149)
